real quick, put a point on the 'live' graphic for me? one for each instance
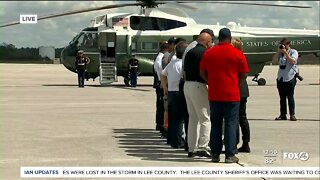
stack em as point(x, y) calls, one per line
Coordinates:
point(28, 19)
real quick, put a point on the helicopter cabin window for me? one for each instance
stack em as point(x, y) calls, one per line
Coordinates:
point(149, 45)
point(154, 23)
point(133, 46)
point(119, 21)
point(116, 20)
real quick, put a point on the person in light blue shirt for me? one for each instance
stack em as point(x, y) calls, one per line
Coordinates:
point(286, 80)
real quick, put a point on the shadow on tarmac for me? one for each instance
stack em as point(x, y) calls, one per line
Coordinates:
point(283, 120)
point(68, 85)
point(97, 85)
point(148, 144)
point(131, 89)
point(142, 86)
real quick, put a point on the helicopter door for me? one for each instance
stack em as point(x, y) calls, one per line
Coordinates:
point(107, 46)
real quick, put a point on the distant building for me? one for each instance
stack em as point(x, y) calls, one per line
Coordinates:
point(47, 51)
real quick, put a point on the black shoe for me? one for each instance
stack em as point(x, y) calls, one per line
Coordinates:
point(232, 159)
point(245, 148)
point(203, 153)
point(186, 148)
point(178, 147)
point(158, 128)
point(191, 154)
point(215, 158)
point(281, 117)
point(293, 118)
point(164, 133)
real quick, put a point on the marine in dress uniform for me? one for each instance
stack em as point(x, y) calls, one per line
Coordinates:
point(133, 69)
point(81, 67)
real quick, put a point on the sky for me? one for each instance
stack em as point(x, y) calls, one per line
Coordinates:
point(59, 31)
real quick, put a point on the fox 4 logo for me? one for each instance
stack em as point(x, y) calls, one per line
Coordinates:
point(303, 156)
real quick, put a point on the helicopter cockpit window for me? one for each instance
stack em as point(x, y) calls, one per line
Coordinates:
point(80, 40)
point(87, 40)
point(91, 40)
point(74, 39)
point(154, 23)
point(95, 39)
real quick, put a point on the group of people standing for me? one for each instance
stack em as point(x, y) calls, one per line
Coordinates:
point(202, 92)
point(203, 87)
point(201, 84)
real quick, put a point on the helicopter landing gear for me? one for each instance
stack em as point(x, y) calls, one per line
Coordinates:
point(87, 75)
point(126, 81)
point(260, 81)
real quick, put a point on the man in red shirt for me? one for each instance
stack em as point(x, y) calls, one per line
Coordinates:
point(224, 68)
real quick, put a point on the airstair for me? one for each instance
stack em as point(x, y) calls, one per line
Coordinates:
point(108, 73)
point(107, 69)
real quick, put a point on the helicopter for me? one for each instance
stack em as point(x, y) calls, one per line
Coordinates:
point(112, 38)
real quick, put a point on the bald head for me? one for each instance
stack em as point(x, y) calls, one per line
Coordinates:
point(205, 39)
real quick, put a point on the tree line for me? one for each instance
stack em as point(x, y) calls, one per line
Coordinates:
point(9, 52)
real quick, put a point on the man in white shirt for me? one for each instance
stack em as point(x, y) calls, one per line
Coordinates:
point(167, 57)
point(157, 66)
point(171, 53)
point(170, 79)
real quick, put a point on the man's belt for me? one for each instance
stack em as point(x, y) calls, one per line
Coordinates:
point(194, 81)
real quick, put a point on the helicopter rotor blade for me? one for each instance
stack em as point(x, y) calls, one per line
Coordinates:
point(158, 2)
point(75, 12)
point(245, 3)
point(182, 5)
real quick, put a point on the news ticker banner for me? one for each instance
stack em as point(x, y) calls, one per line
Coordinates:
point(168, 172)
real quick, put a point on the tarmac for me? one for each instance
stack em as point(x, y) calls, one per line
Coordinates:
point(46, 120)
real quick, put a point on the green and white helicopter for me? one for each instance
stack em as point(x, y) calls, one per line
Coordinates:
point(112, 38)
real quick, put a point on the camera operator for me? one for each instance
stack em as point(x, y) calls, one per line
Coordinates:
point(286, 80)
